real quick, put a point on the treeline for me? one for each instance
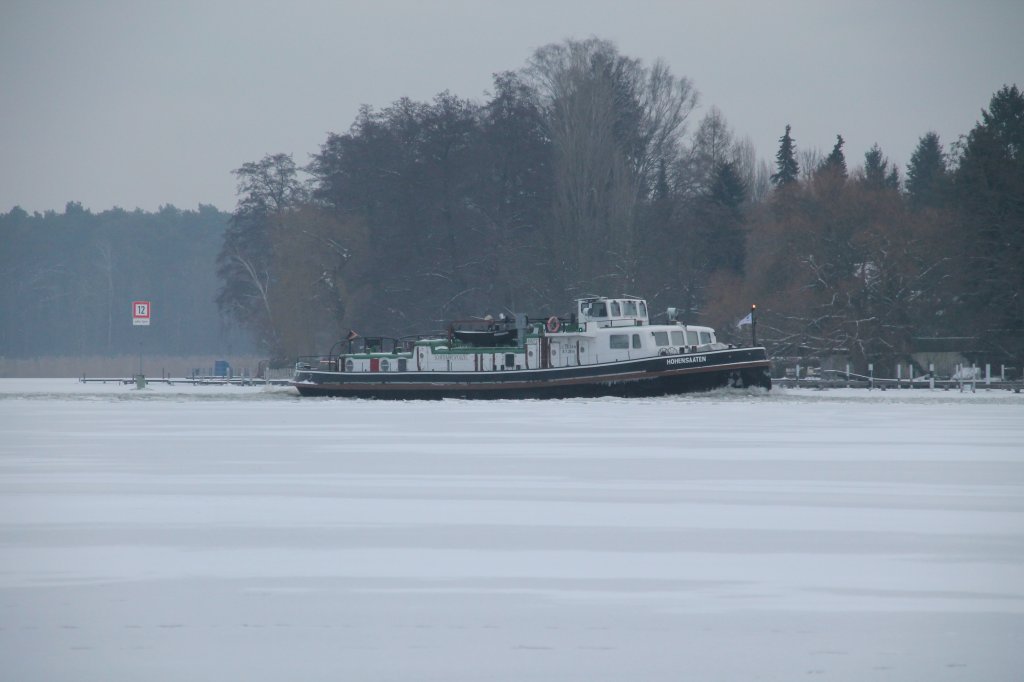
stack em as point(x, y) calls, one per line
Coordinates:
point(585, 172)
point(67, 282)
point(865, 264)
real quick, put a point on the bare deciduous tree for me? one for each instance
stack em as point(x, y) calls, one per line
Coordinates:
point(612, 123)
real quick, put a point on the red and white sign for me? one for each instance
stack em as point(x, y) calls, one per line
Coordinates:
point(141, 312)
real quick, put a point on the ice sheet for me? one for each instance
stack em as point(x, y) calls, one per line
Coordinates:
point(213, 533)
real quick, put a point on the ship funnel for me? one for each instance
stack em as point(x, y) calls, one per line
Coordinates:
point(521, 329)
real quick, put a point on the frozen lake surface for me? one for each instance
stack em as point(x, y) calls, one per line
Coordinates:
point(230, 533)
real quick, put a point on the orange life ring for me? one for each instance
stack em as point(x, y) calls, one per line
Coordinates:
point(553, 325)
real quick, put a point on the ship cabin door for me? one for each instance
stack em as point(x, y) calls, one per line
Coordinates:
point(564, 353)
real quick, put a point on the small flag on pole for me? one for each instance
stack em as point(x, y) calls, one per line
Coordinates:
point(352, 336)
point(749, 319)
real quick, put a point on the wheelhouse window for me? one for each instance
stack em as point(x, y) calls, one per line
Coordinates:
point(661, 338)
point(618, 341)
point(616, 309)
point(643, 309)
point(636, 341)
point(629, 308)
point(705, 337)
point(598, 309)
point(691, 338)
point(677, 339)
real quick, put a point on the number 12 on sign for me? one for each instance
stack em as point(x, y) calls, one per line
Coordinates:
point(141, 312)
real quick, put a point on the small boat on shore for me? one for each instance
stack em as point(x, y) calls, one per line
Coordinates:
point(608, 347)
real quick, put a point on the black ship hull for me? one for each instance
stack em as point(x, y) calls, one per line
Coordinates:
point(647, 377)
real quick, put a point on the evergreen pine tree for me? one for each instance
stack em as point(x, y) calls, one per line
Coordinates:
point(728, 189)
point(788, 170)
point(875, 167)
point(988, 187)
point(729, 192)
point(720, 216)
point(836, 161)
point(892, 180)
point(927, 176)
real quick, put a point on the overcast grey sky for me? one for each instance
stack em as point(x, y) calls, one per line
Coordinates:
point(142, 103)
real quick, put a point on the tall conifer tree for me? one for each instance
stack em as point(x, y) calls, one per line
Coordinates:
point(835, 162)
point(787, 169)
point(875, 166)
point(989, 186)
point(927, 176)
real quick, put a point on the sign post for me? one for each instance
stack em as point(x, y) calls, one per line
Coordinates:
point(142, 312)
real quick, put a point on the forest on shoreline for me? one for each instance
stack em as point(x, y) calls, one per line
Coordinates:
point(584, 172)
point(69, 280)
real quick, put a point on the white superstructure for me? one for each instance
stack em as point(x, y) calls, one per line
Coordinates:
point(602, 330)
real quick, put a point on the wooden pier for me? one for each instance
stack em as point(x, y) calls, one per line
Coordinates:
point(193, 380)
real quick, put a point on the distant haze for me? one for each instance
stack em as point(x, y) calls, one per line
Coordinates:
point(140, 104)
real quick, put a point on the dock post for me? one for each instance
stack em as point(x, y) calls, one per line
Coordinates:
point(847, 375)
point(899, 375)
point(931, 376)
point(871, 375)
point(988, 374)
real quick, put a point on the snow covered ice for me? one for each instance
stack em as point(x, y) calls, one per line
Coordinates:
point(243, 533)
